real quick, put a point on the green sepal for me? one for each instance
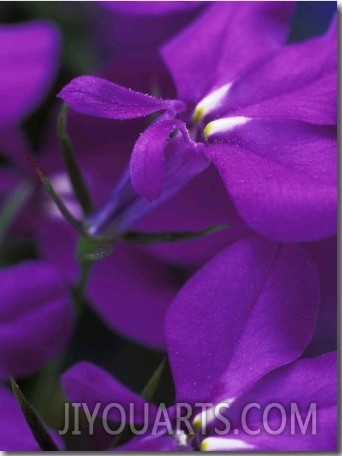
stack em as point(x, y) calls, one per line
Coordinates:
point(74, 173)
point(139, 237)
point(89, 250)
point(12, 207)
point(151, 387)
point(37, 427)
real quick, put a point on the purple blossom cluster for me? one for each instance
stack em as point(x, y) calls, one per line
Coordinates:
point(205, 143)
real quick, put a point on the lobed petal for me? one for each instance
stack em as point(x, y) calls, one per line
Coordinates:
point(147, 162)
point(100, 98)
point(281, 176)
point(251, 309)
point(291, 83)
point(222, 42)
point(88, 384)
point(303, 383)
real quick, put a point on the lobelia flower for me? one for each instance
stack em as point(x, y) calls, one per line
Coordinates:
point(264, 114)
point(36, 317)
point(132, 288)
point(235, 344)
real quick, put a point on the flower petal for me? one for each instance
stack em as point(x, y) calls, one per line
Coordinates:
point(150, 8)
point(35, 317)
point(251, 309)
point(222, 42)
point(182, 161)
point(28, 63)
point(150, 443)
point(203, 202)
point(100, 98)
point(324, 254)
point(291, 83)
point(304, 382)
point(147, 162)
point(131, 291)
point(281, 175)
point(89, 384)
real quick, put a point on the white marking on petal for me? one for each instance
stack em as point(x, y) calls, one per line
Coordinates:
point(210, 102)
point(209, 415)
point(224, 124)
point(223, 444)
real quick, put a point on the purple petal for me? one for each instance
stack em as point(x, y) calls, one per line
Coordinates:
point(299, 82)
point(147, 162)
point(131, 292)
point(307, 381)
point(150, 443)
point(325, 338)
point(315, 102)
point(150, 8)
point(183, 160)
point(202, 203)
point(251, 309)
point(222, 42)
point(35, 317)
point(281, 176)
point(100, 98)
point(28, 63)
point(125, 27)
point(87, 383)
point(15, 434)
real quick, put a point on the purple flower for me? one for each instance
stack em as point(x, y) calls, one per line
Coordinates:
point(234, 334)
point(28, 64)
point(265, 114)
point(132, 288)
point(36, 318)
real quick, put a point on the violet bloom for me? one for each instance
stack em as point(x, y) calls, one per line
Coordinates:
point(265, 114)
point(28, 64)
point(233, 343)
point(36, 317)
point(132, 288)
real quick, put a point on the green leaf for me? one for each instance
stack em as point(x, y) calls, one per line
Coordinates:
point(12, 207)
point(147, 393)
point(150, 389)
point(76, 179)
point(38, 429)
point(175, 236)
